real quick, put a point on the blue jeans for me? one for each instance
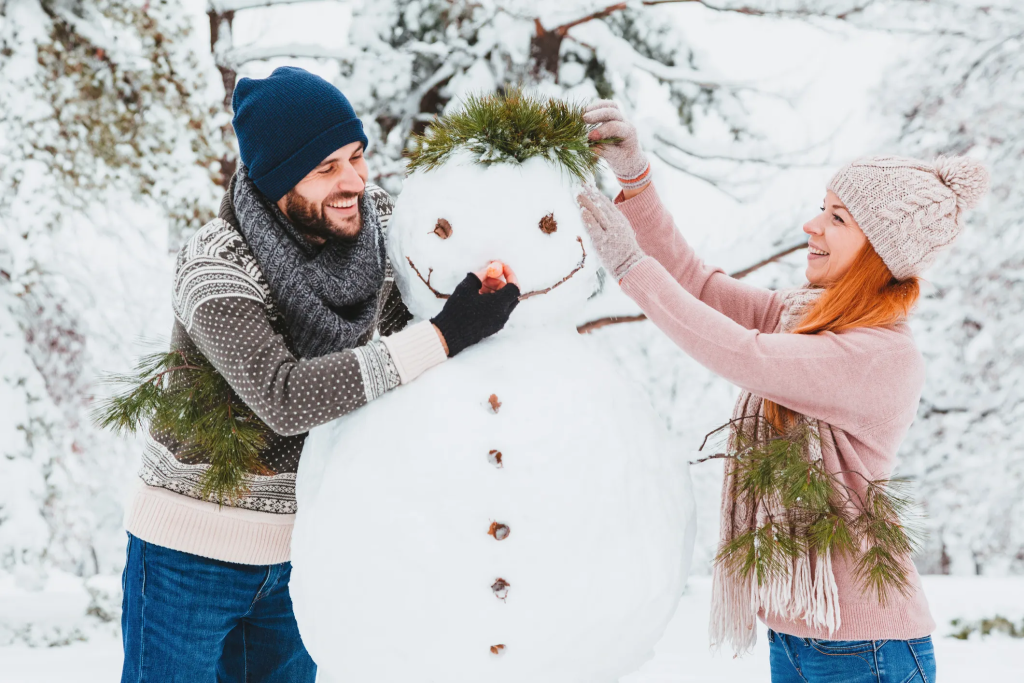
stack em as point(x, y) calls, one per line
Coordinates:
point(190, 619)
point(808, 660)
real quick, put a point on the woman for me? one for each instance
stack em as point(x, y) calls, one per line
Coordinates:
point(836, 355)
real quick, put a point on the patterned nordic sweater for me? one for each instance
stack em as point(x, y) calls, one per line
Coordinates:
point(224, 310)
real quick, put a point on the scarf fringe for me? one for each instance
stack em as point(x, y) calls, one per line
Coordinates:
point(801, 593)
point(733, 618)
point(737, 601)
point(826, 596)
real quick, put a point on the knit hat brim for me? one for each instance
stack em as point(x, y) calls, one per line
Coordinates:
point(884, 238)
point(278, 181)
point(905, 207)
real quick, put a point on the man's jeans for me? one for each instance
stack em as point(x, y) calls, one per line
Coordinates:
point(189, 619)
point(807, 660)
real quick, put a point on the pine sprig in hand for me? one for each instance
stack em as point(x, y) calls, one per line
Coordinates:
point(186, 397)
point(820, 514)
point(511, 126)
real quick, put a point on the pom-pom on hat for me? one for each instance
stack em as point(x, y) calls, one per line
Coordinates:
point(910, 209)
point(287, 123)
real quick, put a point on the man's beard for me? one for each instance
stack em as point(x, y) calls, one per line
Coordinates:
point(312, 221)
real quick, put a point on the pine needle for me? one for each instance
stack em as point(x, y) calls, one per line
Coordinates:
point(188, 399)
point(511, 127)
point(822, 515)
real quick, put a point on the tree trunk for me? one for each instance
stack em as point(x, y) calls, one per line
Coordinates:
point(220, 29)
point(545, 47)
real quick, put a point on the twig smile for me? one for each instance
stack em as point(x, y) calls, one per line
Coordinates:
point(522, 297)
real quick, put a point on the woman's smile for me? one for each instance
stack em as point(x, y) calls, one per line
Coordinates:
point(815, 253)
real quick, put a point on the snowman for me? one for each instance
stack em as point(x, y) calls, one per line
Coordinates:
point(517, 514)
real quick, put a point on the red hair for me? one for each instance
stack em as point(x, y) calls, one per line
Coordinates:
point(868, 295)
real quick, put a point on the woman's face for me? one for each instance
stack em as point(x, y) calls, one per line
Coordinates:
point(835, 240)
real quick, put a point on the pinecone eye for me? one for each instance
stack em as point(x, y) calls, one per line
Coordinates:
point(548, 224)
point(443, 229)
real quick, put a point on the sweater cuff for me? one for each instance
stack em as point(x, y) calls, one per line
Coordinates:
point(415, 350)
point(642, 209)
point(643, 278)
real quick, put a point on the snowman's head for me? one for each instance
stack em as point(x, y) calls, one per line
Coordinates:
point(489, 185)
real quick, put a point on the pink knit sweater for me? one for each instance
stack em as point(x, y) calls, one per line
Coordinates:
point(866, 383)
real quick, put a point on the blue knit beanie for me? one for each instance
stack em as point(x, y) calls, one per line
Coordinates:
point(287, 124)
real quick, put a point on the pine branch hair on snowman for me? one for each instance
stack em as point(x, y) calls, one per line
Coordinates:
point(511, 126)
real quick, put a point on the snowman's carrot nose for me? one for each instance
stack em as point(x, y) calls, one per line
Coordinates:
point(494, 269)
point(496, 275)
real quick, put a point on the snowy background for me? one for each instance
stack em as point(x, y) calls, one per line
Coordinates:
point(115, 137)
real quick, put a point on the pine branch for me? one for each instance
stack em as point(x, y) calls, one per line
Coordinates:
point(511, 127)
point(820, 514)
point(187, 398)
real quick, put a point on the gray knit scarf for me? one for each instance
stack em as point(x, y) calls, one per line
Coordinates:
point(809, 591)
point(327, 294)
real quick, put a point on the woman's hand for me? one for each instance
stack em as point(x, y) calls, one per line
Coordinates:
point(626, 158)
point(610, 232)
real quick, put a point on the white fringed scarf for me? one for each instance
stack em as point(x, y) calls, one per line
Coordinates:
point(806, 593)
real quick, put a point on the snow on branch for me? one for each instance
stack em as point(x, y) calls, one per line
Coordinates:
point(237, 56)
point(739, 9)
point(618, 7)
point(667, 73)
point(786, 160)
point(222, 6)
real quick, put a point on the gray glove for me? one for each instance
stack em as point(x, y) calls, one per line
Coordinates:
point(610, 232)
point(626, 158)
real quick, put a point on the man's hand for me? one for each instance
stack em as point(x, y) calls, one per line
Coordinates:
point(495, 276)
point(444, 342)
point(625, 157)
point(610, 232)
point(479, 307)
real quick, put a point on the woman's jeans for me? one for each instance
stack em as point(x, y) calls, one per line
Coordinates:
point(190, 619)
point(807, 660)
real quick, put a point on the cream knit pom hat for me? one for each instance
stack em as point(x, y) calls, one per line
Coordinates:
point(909, 209)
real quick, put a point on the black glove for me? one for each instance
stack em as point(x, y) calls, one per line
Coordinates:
point(469, 316)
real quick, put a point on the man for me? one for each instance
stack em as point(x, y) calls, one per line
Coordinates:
point(283, 294)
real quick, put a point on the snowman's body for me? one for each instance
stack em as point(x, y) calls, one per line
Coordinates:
point(396, 577)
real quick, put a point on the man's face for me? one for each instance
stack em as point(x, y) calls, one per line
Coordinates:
point(325, 204)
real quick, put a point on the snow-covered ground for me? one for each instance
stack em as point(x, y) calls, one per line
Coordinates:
point(682, 656)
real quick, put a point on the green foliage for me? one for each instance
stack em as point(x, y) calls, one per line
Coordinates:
point(510, 127)
point(986, 627)
point(187, 398)
point(819, 514)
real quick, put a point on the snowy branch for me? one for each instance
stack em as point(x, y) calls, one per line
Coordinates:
point(221, 6)
point(716, 183)
point(777, 162)
point(740, 274)
point(237, 56)
point(983, 58)
point(618, 7)
point(587, 328)
point(742, 9)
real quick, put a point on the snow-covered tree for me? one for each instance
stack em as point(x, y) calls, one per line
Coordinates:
point(108, 142)
point(406, 60)
point(965, 95)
